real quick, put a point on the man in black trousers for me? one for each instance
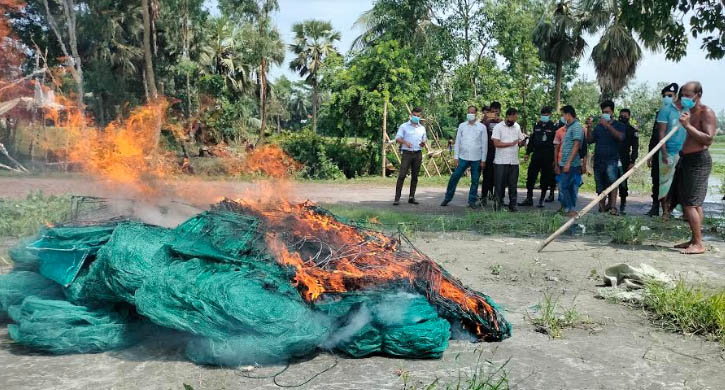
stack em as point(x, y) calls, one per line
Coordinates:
point(668, 94)
point(541, 145)
point(628, 153)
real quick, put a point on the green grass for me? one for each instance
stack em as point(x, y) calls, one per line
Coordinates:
point(622, 230)
point(553, 318)
point(687, 309)
point(26, 216)
point(486, 376)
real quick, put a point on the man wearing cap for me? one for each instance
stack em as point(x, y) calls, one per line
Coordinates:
point(469, 150)
point(412, 138)
point(668, 94)
point(542, 146)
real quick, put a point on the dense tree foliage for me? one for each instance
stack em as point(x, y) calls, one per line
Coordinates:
point(443, 55)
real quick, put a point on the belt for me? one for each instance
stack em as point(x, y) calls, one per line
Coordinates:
point(412, 151)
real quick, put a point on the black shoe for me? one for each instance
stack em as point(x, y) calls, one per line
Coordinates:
point(550, 198)
point(654, 212)
point(473, 206)
point(513, 209)
point(445, 203)
point(412, 201)
point(527, 202)
point(541, 204)
point(396, 202)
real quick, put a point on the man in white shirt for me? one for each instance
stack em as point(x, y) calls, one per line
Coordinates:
point(412, 138)
point(469, 151)
point(507, 137)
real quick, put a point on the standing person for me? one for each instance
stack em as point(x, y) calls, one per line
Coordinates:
point(412, 138)
point(668, 120)
point(469, 150)
point(489, 179)
point(542, 146)
point(608, 136)
point(628, 153)
point(668, 94)
point(569, 169)
point(507, 137)
point(700, 123)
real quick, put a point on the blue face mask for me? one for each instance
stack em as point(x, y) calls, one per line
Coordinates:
point(687, 103)
point(415, 119)
point(545, 118)
point(666, 100)
point(471, 117)
point(562, 120)
point(607, 117)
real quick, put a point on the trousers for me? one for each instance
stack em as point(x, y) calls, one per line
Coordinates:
point(456, 176)
point(411, 161)
point(507, 177)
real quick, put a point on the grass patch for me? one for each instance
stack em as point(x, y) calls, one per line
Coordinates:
point(553, 318)
point(486, 376)
point(629, 230)
point(24, 217)
point(687, 309)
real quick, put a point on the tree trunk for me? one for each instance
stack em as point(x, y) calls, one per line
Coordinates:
point(314, 106)
point(188, 96)
point(148, 61)
point(262, 100)
point(385, 132)
point(75, 60)
point(557, 86)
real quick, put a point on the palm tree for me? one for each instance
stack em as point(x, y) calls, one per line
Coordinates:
point(313, 43)
point(559, 39)
point(406, 20)
point(223, 53)
point(618, 53)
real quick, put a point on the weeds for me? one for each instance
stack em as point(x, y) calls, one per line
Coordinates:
point(687, 309)
point(23, 217)
point(496, 269)
point(486, 376)
point(622, 230)
point(553, 319)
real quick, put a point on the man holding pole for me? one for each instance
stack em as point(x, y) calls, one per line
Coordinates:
point(569, 169)
point(469, 150)
point(607, 135)
point(700, 123)
point(412, 138)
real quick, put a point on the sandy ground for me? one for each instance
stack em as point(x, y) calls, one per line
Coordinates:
point(618, 349)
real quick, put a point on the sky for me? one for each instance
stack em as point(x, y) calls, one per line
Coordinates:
point(653, 69)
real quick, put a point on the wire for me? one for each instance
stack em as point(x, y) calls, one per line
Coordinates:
point(308, 380)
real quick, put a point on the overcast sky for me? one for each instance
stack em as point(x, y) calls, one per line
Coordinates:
point(653, 69)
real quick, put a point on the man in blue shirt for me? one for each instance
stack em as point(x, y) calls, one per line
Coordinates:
point(569, 169)
point(608, 136)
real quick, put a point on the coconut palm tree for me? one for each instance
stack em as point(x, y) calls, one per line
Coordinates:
point(559, 39)
point(618, 51)
point(406, 20)
point(313, 43)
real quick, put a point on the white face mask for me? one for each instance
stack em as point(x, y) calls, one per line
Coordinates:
point(471, 117)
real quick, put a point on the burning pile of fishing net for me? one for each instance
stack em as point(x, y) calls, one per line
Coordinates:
point(240, 285)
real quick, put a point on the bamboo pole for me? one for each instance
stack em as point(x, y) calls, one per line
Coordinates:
point(393, 147)
point(385, 134)
point(606, 192)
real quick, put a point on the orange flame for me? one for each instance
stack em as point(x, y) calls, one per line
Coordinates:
point(329, 256)
point(271, 161)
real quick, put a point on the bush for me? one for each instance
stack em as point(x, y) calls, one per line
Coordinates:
point(326, 158)
point(23, 217)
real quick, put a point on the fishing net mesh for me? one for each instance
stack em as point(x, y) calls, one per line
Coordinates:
point(102, 285)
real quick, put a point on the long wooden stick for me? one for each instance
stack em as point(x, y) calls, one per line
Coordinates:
point(611, 188)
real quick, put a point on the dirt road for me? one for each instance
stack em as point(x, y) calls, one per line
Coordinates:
point(373, 196)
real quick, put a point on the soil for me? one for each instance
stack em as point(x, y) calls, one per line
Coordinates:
point(617, 348)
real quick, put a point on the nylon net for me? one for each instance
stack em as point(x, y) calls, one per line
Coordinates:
point(241, 284)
